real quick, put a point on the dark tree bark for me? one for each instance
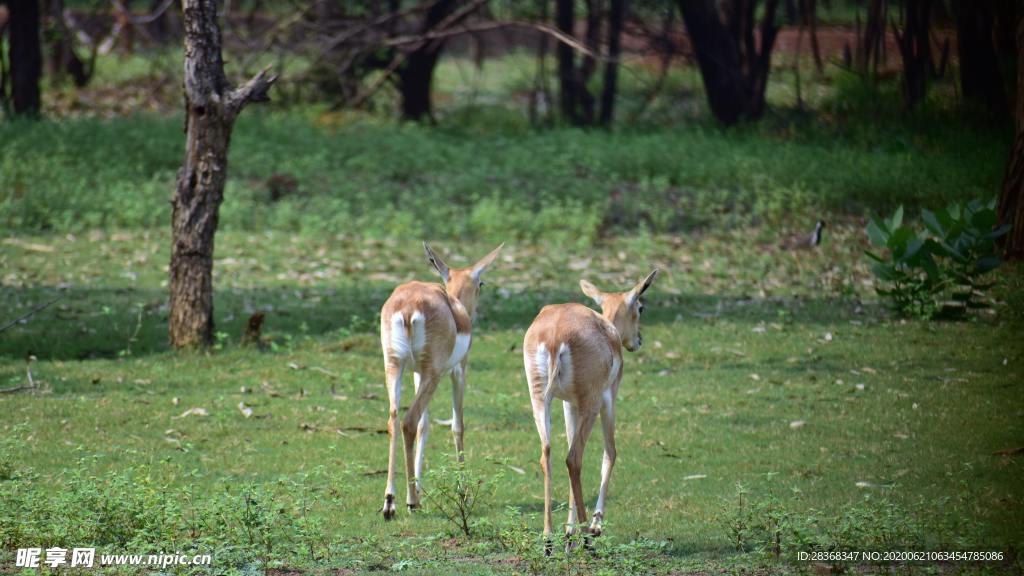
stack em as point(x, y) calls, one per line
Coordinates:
point(871, 48)
point(587, 102)
point(980, 78)
point(915, 50)
point(416, 76)
point(63, 58)
point(616, 19)
point(565, 22)
point(734, 67)
point(809, 18)
point(211, 107)
point(26, 55)
point(578, 105)
point(1011, 201)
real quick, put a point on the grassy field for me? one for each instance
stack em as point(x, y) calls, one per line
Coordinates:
point(772, 387)
point(777, 407)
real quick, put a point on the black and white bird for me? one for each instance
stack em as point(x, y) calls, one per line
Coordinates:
point(803, 242)
point(816, 235)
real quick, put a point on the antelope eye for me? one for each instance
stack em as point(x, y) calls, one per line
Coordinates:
point(640, 309)
point(481, 284)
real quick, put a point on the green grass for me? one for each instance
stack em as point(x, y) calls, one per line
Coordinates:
point(742, 341)
point(561, 185)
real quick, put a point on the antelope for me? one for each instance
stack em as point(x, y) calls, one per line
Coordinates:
point(427, 327)
point(575, 354)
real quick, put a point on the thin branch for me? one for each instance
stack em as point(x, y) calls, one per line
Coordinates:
point(120, 7)
point(31, 313)
point(255, 90)
point(498, 24)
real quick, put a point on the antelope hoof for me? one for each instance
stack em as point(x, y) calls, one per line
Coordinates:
point(413, 507)
point(595, 525)
point(572, 540)
point(389, 507)
point(548, 547)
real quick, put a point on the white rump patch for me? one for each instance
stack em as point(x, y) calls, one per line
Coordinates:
point(542, 362)
point(404, 345)
point(459, 352)
point(542, 359)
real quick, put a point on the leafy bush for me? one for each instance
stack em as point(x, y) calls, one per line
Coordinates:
point(941, 270)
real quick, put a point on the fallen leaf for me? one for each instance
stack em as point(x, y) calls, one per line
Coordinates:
point(245, 410)
point(797, 424)
point(193, 412)
point(695, 477)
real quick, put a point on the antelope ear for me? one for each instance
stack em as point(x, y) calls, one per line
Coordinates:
point(486, 261)
point(436, 262)
point(642, 287)
point(592, 291)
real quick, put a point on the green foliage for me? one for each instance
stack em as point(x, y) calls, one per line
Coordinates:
point(944, 269)
point(316, 174)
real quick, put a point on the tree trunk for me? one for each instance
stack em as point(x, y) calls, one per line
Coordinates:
point(809, 16)
point(63, 59)
point(980, 79)
point(587, 102)
point(616, 19)
point(26, 55)
point(416, 76)
point(564, 21)
point(416, 80)
point(734, 67)
point(1011, 201)
point(717, 57)
point(915, 50)
point(211, 107)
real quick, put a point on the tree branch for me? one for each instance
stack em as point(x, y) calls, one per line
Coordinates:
point(255, 90)
point(31, 313)
point(498, 24)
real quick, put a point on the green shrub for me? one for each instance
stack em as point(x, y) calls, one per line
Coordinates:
point(456, 491)
point(942, 269)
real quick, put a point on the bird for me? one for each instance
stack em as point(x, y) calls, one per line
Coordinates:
point(804, 242)
point(816, 235)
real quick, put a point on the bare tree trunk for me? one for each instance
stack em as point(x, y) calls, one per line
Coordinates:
point(587, 103)
point(616, 20)
point(539, 100)
point(809, 16)
point(1011, 201)
point(565, 22)
point(63, 59)
point(417, 74)
point(718, 58)
point(980, 79)
point(915, 50)
point(734, 67)
point(26, 55)
point(211, 107)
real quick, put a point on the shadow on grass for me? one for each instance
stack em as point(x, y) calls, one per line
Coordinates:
point(102, 323)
